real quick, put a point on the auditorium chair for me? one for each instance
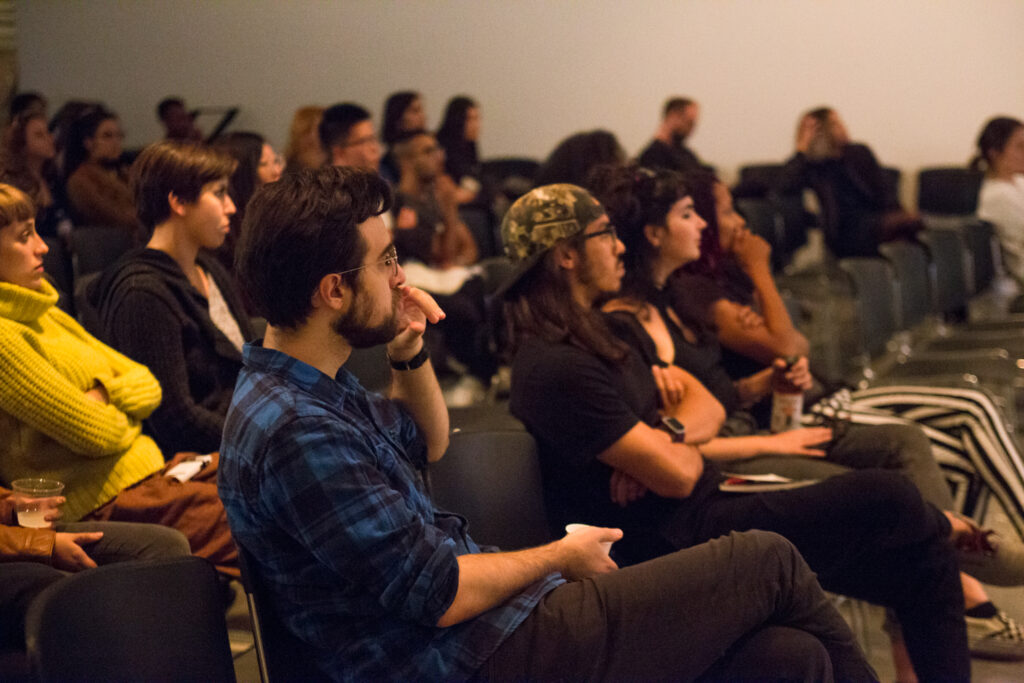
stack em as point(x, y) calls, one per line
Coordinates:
point(93, 248)
point(948, 190)
point(147, 621)
point(280, 655)
point(492, 478)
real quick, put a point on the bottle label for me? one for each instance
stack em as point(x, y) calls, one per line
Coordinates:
point(787, 410)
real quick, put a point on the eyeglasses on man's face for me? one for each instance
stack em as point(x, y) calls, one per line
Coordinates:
point(609, 230)
point(390, 261)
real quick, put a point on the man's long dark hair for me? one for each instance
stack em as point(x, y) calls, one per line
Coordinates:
point(542, 305)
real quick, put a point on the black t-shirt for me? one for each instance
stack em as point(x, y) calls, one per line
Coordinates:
point(702, 358)
point(577, 405)
point(660, 154)
point(416, 242)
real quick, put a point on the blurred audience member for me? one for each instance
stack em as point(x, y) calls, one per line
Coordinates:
point(178, 122)
point(172, 306)
point(27, 160)
point(1001, 200)
point(574, 158)
point(97, 181)
point(28, 103)
point(71, 409)
point(403, 112)
point(258, 164)
point(348, 137)
point(668, 148)
point(859, 209)
point(458, 135)
point(304, 149)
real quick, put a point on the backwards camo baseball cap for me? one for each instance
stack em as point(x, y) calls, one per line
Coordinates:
point(540, 219)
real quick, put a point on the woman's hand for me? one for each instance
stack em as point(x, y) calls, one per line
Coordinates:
point(799, 374)
point(625, 489)
point(670, 386)
point(800, 442)
point(751, 251)
point(67, 550)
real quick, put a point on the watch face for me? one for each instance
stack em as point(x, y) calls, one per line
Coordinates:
point(674, 426)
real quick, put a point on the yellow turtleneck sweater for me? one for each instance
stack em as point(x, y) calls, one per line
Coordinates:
point(48, 427)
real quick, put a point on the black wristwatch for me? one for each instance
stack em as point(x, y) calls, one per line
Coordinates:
point(675, 429)
point(413, 363)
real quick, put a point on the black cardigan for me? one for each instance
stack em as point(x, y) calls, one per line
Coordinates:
point(153, 314)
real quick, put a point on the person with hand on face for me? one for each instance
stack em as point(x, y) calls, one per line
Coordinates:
point(730, 292)
point(171, 305)
point(858, 208)
point(322, 479)
point(97, 182)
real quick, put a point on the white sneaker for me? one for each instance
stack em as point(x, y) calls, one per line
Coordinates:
point(466, 392)
point(998, 637)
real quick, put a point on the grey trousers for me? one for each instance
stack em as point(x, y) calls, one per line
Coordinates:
point(902, 448)
point(741, 607)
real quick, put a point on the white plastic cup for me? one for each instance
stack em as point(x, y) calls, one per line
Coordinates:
point(36, 498)
point(573, 528)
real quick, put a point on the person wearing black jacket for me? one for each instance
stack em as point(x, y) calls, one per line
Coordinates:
point(171, 305)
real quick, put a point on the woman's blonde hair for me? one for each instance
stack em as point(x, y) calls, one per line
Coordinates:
point(15, 205)
point(306, 121)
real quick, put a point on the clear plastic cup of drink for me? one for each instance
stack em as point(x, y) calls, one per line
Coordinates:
point(573, 528)
point(35, 499)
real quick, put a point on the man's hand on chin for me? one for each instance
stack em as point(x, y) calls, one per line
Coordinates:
point(415, 309)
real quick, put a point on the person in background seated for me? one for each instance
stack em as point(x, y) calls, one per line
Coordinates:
point(27, 103)
point(258, 164)
point(574, 157)
point(304, 150)
point(436, 247)
point(403, 112)
point(171, 305)
point(620, 443)
point(859, 209)
point(668, 148)
point(322, 483)
point(33, 558)
point(97, 182)
point(71, 409)
point(1001, 199)
point(178, 122)
point(458, 136)
point(27, 162)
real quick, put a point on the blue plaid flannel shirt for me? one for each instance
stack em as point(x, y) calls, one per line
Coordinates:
point(321, 482)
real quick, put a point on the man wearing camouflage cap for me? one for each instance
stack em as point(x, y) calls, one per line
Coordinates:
point(618, 451)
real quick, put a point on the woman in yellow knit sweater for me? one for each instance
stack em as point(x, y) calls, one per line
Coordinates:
point(71, 408)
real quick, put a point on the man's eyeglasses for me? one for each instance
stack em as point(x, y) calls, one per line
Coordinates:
point(390, 260)
point(610, 230)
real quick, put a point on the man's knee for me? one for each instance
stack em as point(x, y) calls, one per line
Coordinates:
point(764, 549)
point(778, 653)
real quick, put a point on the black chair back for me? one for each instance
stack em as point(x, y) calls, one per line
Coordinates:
point(281, 656)
point(950, 190)
point(94, 248)
point(980, 238)
point(146, 621)
point(875, 296)
point(910, 261)
point(493, 479)
point(949, 275)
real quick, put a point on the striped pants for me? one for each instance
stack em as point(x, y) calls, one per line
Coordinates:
point(970, 440)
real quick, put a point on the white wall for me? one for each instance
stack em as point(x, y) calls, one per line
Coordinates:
point(914, 78)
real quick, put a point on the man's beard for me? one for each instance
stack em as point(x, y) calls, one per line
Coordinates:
point(354, 325)
point(678, 139)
